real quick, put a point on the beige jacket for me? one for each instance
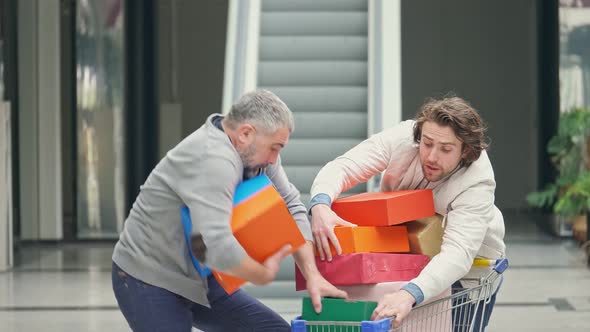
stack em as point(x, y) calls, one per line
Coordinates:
point(474, 226)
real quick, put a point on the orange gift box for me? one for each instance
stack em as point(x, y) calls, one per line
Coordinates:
point(371, 239)
point(262, 224)
point(385, 208)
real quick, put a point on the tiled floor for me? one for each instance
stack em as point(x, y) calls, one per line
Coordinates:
point(67, 287)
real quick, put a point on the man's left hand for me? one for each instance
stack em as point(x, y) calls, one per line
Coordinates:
point(398, 304)
point(319, 287)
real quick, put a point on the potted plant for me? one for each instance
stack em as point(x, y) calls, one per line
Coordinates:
point(568, 196)
point(574, 202)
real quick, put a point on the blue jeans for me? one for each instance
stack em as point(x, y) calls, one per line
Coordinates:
point(463, 311)
point(151, 308)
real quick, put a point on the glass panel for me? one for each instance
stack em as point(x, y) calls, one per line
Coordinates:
point(100, 118)
point(574, 53)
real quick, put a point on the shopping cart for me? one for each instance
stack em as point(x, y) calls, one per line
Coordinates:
point(464, 310)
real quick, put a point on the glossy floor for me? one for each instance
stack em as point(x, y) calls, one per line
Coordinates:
point(66, 287)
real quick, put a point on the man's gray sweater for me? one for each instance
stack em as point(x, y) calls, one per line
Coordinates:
point(202, 173)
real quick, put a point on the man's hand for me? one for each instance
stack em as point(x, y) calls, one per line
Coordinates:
point(273, 263)
point(260, 274)
point(319, 287)
point(398, 304)
point(323, 221)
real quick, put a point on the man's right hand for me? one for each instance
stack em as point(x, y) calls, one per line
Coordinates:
point(273, 263)
point(260, 273)
point(323, 221)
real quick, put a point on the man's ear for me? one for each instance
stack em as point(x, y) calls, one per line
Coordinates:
point(466, 152)
point(246, 133)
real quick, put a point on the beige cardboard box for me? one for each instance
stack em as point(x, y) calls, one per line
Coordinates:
point(425, 235)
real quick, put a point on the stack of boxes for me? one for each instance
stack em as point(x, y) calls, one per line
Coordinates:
point(396, 235)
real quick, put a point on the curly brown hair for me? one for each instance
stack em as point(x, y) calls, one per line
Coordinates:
point(458, 114)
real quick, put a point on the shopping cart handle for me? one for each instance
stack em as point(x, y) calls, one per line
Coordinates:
point(501, 265)
point(300, 325)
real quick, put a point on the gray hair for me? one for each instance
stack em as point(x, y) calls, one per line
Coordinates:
point(263, 109)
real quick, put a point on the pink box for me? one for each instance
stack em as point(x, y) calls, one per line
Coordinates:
point(436, 318)
point(367, 268)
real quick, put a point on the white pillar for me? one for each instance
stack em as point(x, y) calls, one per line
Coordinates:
point(384, 69)
point(40, 119)
point(241, 50)
point(385, 75)
point(6, 245)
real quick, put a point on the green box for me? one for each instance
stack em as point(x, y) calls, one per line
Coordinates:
point(338, 310)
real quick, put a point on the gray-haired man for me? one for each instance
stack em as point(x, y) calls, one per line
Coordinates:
point(155, 283)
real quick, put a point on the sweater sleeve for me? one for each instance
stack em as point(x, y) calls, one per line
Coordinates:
point(292, 198)
point(466, 225)
point(360, 163)
point(206, 184)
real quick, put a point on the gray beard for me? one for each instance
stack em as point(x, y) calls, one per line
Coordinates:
point(247, 155)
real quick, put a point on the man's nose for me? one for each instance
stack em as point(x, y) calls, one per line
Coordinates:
point(433, 155)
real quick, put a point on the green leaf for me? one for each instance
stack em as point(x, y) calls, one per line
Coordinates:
point(544, 198)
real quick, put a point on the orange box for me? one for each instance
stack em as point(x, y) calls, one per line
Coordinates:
point(371, 239)
point(262, 224)
point(385, 208)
